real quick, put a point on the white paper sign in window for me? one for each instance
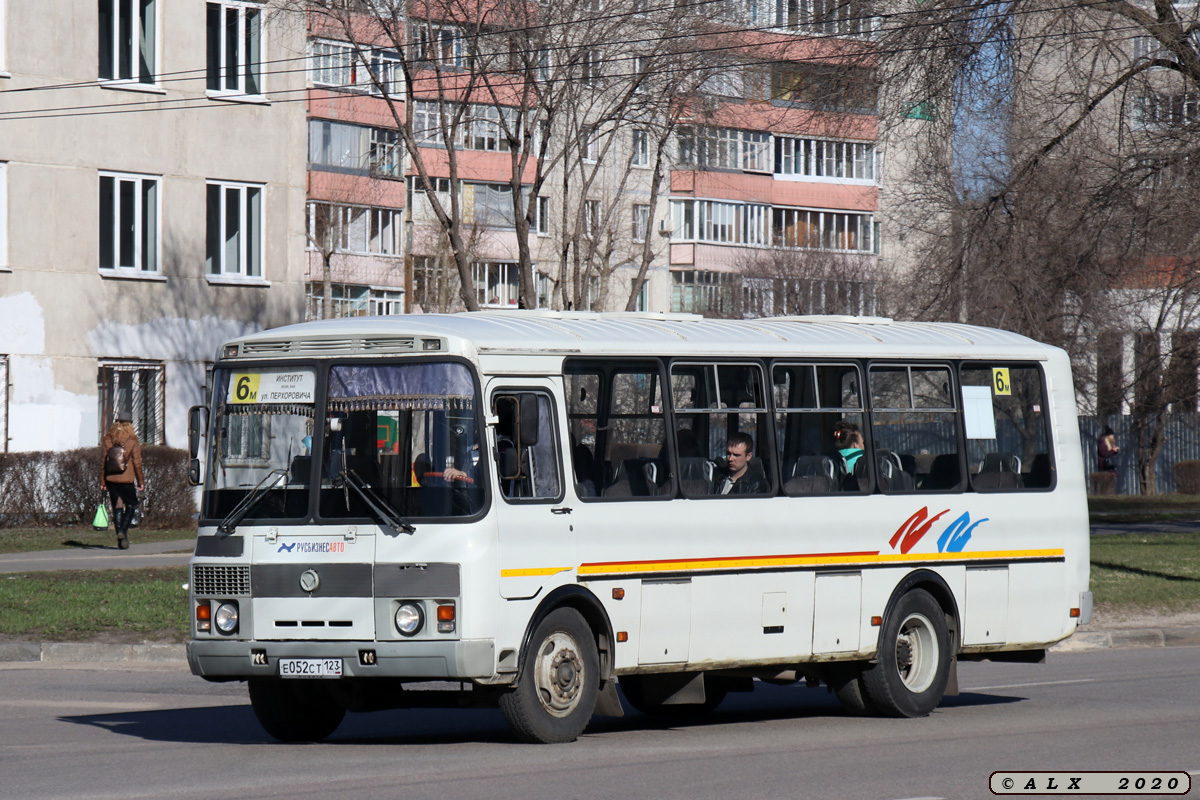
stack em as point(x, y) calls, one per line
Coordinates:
point(977, 412)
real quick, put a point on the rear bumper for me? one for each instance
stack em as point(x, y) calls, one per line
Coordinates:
point(461, 659)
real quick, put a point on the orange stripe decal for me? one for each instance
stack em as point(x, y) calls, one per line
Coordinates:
point(822, 559)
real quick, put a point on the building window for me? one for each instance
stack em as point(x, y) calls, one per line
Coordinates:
point(824, 88)
point(3, 404)
point(136, 387)
point(235, 48)
point(497, 283)
point(339, 65)
point(591, 67)
point(348, 300)
point(384, 153)
point(128, 33)
point(591, 218)
point(641, 148)
point(3, 202)
point(439, 47)
point(641, 222)
point(488, 204)
point(704, 292)
point(756, 151)
point(235, 240)
point(434, 284)
point(353, 148)
point(3, 56)
point(712, 148)
point(817, 158)
point(542, 219)
point(129, 222)
point(591, 144)
point(822, 230)
point(354, 229)
point(1110, 373)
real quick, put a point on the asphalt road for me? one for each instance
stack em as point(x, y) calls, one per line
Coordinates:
point(85, 732)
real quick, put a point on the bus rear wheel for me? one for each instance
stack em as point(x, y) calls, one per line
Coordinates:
point(556, 694)
point(913, 665)
point(847, 683)
point(295, 711)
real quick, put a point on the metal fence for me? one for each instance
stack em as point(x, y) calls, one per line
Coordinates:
point(1182, 434)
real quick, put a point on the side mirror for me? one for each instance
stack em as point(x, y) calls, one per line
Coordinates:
point(197, 422)
point(509, 466)
point(528, 428)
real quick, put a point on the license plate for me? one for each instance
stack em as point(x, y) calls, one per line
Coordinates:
point(310, 667)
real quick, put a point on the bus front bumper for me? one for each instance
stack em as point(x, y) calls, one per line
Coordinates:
point(239, 659)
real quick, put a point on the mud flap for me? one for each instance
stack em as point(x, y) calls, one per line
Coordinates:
point(952, 679)
point(608, 703)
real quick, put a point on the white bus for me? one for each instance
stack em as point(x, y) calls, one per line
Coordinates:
point(525, 508)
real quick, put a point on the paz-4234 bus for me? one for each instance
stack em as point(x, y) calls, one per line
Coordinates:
point(528, 509)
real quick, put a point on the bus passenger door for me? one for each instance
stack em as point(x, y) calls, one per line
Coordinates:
point(537, 539)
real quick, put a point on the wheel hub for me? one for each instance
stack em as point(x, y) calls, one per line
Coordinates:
point(565, 669)
point(904, 653)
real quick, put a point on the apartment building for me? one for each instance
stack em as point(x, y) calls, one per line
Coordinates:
point(758, 195)
point(151, 206)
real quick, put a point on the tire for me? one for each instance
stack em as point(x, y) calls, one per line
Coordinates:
point(556, 694)
point(913, 665)
point(633, 687)
point(295, 711)
point(847, 683)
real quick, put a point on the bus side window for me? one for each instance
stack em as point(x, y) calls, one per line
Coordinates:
point(527, 460)
point(914, 429)
point(1008, 442)
point(810, 401)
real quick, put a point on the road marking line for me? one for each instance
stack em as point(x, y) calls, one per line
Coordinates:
point(1027, 685)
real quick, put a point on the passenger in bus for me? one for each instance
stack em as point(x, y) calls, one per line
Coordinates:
point(737, 477)
point(849, 442)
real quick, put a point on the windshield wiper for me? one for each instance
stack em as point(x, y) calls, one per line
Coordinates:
point(230, 523)
point(382, 508)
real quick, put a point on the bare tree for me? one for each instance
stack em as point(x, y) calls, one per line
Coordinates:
point(1057, 209)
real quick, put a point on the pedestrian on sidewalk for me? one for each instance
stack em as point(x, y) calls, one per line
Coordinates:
point(121, 473)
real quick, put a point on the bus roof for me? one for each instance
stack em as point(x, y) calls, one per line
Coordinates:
point(638, 333)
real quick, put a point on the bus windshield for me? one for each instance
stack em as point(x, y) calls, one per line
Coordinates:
point(262, 434)
point(403, 435)
point(405, 432)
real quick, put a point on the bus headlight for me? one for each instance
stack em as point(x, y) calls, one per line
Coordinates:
point(409, 618)
point(226, 618)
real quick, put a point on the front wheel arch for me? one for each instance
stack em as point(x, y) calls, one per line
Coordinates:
point(593, 613)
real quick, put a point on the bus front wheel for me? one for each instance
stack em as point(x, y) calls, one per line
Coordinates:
point(913, 666)
point(295, 711)
point(560, 681)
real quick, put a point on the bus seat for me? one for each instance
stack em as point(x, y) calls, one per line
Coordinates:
point(1041, 473)
point(997, 481)
point(810, 474)
point(636, 477)
point(943, 473)
point(998, 471)
point(696, 475)
point(1001, 462)
point(892, 475)
point(301, 470)
point(856, 479)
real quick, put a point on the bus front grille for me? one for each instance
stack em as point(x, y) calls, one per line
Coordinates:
point(223, 581)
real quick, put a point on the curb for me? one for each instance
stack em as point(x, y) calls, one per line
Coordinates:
point(1130, 637)
point(79, 652)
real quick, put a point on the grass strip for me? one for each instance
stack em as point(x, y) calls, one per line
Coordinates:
point(116, 606)
point(1150, 572)
point(28, 540)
